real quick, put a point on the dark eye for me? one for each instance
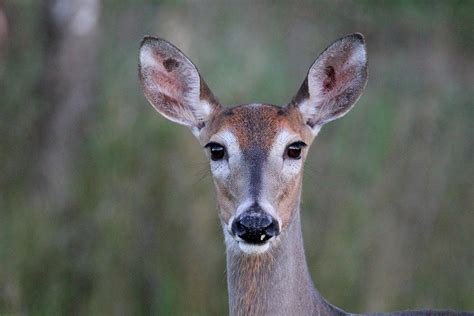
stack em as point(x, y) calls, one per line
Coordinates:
point(217, 151)
point(294, 150)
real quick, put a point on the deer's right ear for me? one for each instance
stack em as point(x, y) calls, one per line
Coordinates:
point(173, 86)
point(334, 83)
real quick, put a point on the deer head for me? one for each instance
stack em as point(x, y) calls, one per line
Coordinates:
point(256, 151)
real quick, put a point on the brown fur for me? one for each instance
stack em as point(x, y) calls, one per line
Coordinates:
point(252, 272)
point(257, 125)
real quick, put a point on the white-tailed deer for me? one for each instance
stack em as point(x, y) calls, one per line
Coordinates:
point(256, 153)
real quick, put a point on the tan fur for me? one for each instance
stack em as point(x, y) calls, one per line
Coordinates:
point(226, 202)
point(288, 200)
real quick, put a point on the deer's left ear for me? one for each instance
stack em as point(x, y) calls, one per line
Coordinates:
point(334, 83)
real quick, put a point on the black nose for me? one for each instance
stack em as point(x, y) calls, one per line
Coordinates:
point(255, 226)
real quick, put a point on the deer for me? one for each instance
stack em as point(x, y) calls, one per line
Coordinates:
point(256, 154)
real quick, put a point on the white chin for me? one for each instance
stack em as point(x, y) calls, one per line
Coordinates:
point(253, 249)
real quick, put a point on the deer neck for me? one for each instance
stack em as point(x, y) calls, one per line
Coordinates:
point(276, 282)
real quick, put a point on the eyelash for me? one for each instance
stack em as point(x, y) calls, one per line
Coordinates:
point(293, 151)
point(217, 151)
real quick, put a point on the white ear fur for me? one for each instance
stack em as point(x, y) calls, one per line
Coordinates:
point(173, 85)
point(334, 83)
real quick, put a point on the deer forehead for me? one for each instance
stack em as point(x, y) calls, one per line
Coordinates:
point(258, 127)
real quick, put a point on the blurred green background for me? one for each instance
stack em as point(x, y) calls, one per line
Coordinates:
point(106, 208)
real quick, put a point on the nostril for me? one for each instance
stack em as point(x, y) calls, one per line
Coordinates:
point(272, 229)
point(255, 227)
point(238, 228)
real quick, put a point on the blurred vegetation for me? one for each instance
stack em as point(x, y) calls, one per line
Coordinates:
point(108, 209)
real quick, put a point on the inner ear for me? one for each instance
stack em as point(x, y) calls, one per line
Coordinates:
point(330, 81)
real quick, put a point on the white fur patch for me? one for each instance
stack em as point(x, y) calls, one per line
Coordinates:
point(146, 57)
point(221, 169)
point(239, 244)
point(282, 140)
point(289, 167)
point(359, 56)
point(253, 249)
point(229, 140)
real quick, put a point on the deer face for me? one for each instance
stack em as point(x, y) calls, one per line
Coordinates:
point(256, 155)
point(256, 151)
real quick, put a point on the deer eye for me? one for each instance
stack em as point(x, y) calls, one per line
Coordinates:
point(293, 151)
point(217, 151)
